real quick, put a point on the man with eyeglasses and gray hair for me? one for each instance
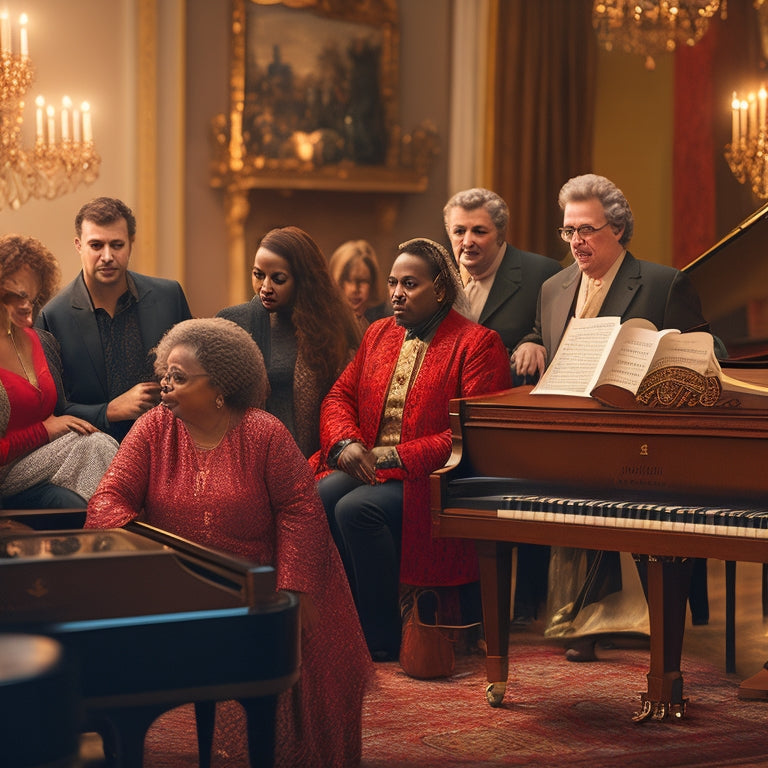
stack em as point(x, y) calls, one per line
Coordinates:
point(605, 278)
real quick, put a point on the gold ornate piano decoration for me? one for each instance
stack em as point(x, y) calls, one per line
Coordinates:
point(675, 387)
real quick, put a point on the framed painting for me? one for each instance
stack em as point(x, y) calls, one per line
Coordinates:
point(314, 84)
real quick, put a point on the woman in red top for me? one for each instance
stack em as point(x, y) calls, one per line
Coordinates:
point(45, 460)
point(384, 428)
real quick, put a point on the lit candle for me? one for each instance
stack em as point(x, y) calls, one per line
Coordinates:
point(76, 126)
point(85, 108)
point(66, 105)
point(51, 125)
point(40, 102)
point(762, 98)
point(743, 120)
point(752, 115)
point(5, 32)
point(23, 40)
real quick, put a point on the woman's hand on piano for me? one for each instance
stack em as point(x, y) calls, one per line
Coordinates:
point(529, 359)
point(358, 462)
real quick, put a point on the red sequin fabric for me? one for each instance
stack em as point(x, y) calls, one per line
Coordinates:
point(254, 496)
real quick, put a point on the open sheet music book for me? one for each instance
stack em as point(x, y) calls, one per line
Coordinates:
point(631, 363)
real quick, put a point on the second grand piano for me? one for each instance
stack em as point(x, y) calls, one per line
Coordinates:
point(151, 621)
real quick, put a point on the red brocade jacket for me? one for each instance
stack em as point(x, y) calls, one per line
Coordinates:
point(463, 359)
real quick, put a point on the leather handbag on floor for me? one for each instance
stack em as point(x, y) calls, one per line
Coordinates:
point(427, 650)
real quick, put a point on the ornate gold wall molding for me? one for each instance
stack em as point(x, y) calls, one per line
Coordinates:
point(145, 258)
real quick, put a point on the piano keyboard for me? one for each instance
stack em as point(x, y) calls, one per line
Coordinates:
point(716, 521)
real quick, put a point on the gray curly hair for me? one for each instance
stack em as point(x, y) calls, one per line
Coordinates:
point(617, 210)
point(478, 197)
point(226, 352)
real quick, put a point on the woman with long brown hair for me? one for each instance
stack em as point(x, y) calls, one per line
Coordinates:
point(304, 327)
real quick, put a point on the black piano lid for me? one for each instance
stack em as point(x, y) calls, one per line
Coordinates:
point(730, 275)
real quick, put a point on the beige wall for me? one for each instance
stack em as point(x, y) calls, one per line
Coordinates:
point(84, 50)
point(633, 145)
point(87, 49)
point(330, 217)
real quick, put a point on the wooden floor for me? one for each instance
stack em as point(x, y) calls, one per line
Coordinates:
point(708, 642)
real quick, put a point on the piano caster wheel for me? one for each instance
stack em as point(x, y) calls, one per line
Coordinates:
point(494, 693)
point(660, 710)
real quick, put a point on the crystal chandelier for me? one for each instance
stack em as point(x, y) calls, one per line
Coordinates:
point(649, 27)
point(61, 159)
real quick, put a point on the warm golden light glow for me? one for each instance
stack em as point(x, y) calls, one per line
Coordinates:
point(62, 158)
point(652, 27)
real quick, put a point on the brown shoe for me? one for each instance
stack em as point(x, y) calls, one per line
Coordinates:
point(756, 687)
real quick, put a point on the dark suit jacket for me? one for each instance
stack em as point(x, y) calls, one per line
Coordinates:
point(510, 308)
point(658, 293)
point(69, 317)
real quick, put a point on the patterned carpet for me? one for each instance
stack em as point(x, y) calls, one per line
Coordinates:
point(555, 714)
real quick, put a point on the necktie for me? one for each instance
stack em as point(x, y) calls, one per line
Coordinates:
point(472, 292)
point(593, 299)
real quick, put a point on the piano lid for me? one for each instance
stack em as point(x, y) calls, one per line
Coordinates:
point(732, 280)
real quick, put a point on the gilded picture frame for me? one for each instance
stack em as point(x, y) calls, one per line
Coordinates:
point(314, 84)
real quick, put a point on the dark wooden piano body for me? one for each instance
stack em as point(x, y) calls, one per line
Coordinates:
point(152, 621)
point(569, 447)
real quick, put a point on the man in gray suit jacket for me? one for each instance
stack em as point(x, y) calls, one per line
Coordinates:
point(605, 280)
point(108, 319)
point(502, 284)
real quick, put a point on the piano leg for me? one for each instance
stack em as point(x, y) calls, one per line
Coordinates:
point(205, 721)
point(667, 583)
point(496, 583)
point(260, 719)
point(260, 715)
point(123, 731)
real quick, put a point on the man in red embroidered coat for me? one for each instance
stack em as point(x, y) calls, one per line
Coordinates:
point(384, 427)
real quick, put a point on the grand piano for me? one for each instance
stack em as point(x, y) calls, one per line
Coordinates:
point(665, 485)
point(150, 621)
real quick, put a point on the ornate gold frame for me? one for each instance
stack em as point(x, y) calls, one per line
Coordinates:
point(238, 168)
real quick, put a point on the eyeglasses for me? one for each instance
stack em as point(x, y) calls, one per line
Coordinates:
point(585, 231)
point(12, 297)
point(177, 378)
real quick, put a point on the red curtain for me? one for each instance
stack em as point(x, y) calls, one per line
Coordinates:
point(708, 202)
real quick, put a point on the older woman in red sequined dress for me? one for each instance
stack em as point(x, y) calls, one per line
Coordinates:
point(209, 466)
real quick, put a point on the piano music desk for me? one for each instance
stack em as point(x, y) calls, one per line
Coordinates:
point(568, 452)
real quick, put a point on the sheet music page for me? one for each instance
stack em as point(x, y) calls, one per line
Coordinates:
point(576, 366)
point(633, 354)
point(688, 350)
